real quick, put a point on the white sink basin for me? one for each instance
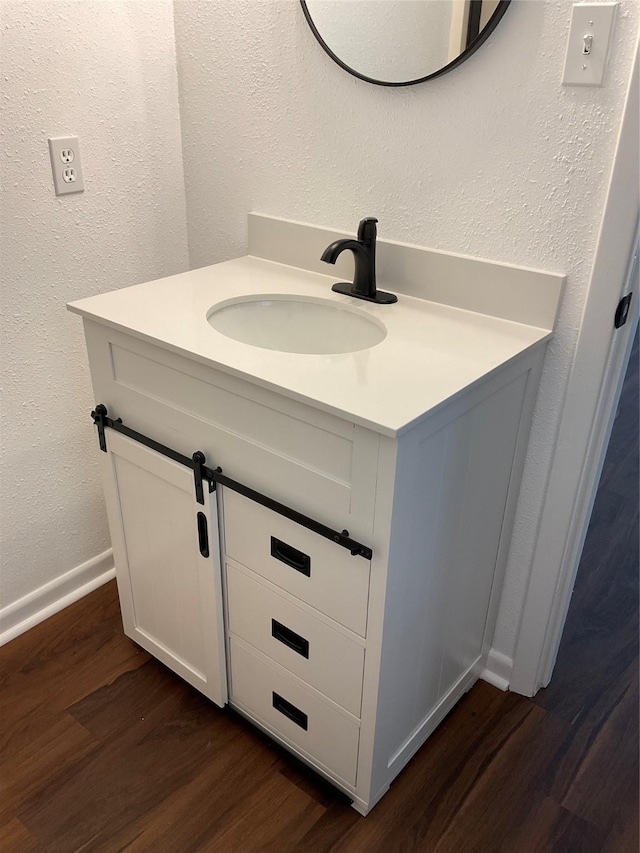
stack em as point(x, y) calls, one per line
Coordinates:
point(296, 324)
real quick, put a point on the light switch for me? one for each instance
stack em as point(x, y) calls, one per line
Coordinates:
point(589, 37)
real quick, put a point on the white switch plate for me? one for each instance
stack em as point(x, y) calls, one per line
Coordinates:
point(66, 164)
point(595, 20)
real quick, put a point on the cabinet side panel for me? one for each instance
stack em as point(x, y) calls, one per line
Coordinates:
point(451, 490)
point(482, 501)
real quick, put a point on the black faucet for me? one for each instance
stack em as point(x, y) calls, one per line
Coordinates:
point(364, 256)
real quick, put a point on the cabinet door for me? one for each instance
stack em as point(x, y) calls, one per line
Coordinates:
point(170, 594)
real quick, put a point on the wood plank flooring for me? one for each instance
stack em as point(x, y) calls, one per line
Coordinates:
point(103, 749)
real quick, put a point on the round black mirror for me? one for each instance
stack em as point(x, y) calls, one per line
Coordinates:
point(401, 42)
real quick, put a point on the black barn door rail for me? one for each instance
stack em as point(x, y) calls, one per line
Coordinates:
point(202, 472)
point(195, 462)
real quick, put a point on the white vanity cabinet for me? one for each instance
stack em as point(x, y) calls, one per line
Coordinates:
point(349, 662)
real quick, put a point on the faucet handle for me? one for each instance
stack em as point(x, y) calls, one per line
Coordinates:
point(367, 229)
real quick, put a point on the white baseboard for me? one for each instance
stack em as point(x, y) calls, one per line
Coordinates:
point(43, 602)
point(497, 670)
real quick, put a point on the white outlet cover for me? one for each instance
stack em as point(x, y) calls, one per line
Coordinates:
point(66, 168)
point(594, 20)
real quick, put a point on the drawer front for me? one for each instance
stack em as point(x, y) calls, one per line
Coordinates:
point(282, 703)
point(304, 645)
point(306, 565)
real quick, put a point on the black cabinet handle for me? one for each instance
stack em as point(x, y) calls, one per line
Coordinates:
point(290, 638)
point(290, 556)
point(203, 535)
point(294, 714)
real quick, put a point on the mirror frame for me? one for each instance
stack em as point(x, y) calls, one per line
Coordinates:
point(479, 40)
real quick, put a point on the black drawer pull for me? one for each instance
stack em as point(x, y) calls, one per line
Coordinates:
point(290, 556)
point(290, 638)
point(294, 714)
point(203, 535)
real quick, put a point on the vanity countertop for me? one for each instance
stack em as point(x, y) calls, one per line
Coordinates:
point(431, 352)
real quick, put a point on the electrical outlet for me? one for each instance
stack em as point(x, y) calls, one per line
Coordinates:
point(64, 150)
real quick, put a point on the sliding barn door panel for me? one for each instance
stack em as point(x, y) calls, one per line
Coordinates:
point(167, 562)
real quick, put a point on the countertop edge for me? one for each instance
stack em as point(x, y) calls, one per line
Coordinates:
point(251, 379)
point(388, 430)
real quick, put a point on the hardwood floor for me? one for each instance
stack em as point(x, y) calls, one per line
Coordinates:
point(103, 749)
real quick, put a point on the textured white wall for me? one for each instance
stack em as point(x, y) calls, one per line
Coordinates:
point(106, 72)
point(495, 159)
